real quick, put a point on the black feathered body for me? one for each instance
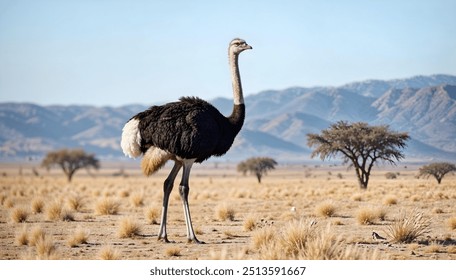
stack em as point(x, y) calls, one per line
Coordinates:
point(190, 128)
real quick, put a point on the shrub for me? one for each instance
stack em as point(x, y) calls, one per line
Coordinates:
point(108, 253)
point(129, 228)
point(37, 205)
point(75, 203)
point(249, 224)
point(79, 237)
point(391, 175)
point(325, 209)
point(107, 206)
point(137, 199)
point(19, 215)
point(225, 212)
point(408, 227)
point(36, 234)
point(54, 211)
point(22, 237)
point(173, 252)
point(45, 248)
point(264, 237)
point(152, 215)
point(366, 216)
point(295, 238)
point(452, 223)
point(390, 200)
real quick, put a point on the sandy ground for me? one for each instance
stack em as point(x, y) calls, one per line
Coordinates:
point(286, 195)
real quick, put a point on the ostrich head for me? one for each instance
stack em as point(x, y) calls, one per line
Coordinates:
point(237, 46)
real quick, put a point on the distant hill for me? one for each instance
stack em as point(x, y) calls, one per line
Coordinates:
point(276, 124)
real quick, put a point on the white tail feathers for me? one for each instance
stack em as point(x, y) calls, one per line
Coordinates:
point(131, 139)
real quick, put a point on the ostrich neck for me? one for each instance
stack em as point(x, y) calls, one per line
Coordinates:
point(238, 115)
point(236, 80)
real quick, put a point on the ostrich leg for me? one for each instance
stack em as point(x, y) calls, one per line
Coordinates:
point(183, 191)
point(167, 188)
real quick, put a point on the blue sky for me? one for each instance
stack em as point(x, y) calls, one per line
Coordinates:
point(114, 53)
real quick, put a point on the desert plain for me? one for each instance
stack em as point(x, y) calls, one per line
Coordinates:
point(299, 211)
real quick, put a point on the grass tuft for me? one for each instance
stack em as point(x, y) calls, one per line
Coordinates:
point(108, 253)
point(325, 209)
point(22, 237)
point(129, 228)
point(152, 215)
point(107, 206)
point(137, 200)
point(79, 237)
point(37, 205)
point(390, 200)
point(408, 227)
point(366, 216)
point(173, 252)
point(225, 212)
point(19, 215)
point(75, 203)
point(54, 211)
point(452, 223)
point(250, 224)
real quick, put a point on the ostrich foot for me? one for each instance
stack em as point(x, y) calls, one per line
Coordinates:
point(165, 239)
point(195, 240)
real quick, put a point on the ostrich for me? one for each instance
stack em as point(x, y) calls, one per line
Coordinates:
point(187, 131)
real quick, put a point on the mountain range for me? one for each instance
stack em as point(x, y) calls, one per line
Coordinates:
point(276, 124)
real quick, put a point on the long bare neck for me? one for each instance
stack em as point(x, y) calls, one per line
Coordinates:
point(236, 80)
point(238, 115)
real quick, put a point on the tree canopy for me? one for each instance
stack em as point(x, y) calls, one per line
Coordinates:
point(70, 161)
point(437, 170)
point(360, 145)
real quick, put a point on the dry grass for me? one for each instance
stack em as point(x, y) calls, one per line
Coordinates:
point(36, 234)
point(107, 206)
point(452, 223)
point(108, 253)
point(303, 240)
point(22, 237)
point(295, 237)
point(225, 212)
point(79, 237)
point(408, 227)
point(152, 215)
point(53, 211)
point(173, 251)
point(19, 215)
point(433, 248)
point(263, 238)
point(366, 216)
point(128, 228)
point(37, 205)
point(45, 248)
point(266, 217)
point(249, 224)
point(390, 200)
point(137, 199)
point(75, 203)
point(325, 209)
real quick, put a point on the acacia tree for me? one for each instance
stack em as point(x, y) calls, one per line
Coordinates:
point(70, 161)
point(437, 170)
point(360, 145)
point(257, 165)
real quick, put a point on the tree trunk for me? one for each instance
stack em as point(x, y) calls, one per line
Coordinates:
point(363, 178)
point(258, 175)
